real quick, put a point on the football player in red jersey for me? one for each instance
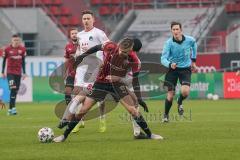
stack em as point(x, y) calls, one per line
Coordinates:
point(14, 55)
point(115, 64)
point(70, 50)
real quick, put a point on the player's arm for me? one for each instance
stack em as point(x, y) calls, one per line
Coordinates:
point(90, 51)
point(137, 91)
point(165, 55)
point(194, 55)
point(4, 64)
point(24, 65)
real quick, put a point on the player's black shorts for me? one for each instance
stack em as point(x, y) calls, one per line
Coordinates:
point(14, 81)
point(69, 81)
point(100, 90)
point(172, 76)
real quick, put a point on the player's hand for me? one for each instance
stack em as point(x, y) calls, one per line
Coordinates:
point(77, 61)
point(238, 73)
point(174, 65)
point(2, 105)
point(113, 78)
point(3, 75)
point(24, 76)
point(143, 104)
point(193, 67)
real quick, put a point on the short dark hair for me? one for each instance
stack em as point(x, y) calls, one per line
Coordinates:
point(126, 43)
point(137, 44)
point(71, 29)
point(16, 36)
point(87, 12)
point(176, 23)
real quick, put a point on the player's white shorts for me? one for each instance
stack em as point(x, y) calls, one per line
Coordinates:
point(80, 75)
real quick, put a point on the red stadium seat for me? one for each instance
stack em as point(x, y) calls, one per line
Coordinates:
point(57, 2)
point(65, 11)
point(55, 10)
point(104, 10)
point(96, 2)
point(74, 21)
point(117, 10)
point(24, 3)
point(64, 21)
point(117, 2)
point(47, 2)
point(106, 2)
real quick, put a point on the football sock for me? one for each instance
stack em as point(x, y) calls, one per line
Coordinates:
point(168, 105)
point(70, 127)
point(68, 98)
point(12, 98)
point(143, 124)
point(180, 99)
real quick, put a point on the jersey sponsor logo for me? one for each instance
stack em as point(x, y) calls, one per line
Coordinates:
point(16, 57)
point(206, 69)
point(20, 51)
point(11, 52)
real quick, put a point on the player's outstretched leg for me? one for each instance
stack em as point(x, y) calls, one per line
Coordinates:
point(128, 103)
point(102, 123)
point(87, 105)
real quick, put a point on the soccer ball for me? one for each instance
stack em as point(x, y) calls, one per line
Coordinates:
point(209, 96)
point(215, 97)
point(45, 135)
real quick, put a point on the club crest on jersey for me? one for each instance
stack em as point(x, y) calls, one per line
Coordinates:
point(90, 38)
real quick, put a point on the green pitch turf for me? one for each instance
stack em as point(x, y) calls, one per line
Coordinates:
point(211, 130)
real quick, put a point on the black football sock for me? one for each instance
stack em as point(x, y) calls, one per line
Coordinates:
point(13, 95)
point(168, 105)
point(70, 127)
point(68, 98)
point(143, 124)
point(180, 99)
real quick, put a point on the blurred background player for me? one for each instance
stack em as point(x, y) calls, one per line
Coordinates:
point(70, 50)
point(115, 64)
point(88, 38)
point(14, 55)
point(179, 55)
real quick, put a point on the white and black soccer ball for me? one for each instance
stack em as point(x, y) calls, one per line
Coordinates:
point(209, 96)
point(45, 135)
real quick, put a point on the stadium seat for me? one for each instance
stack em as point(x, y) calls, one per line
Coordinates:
point(106, 2)
point(104, 10)
point(116, 2)
point(65, 11)
point(57, 2)
point(95, 2)
point(74, 21)
point(64, 21)
point(47, 2)
point(55, 10)
point(24, 3)
point(117, 10)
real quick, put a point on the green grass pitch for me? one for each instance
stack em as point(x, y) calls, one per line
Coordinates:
point(212, 133)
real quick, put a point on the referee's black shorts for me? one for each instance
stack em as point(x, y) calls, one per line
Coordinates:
point(173, 75)
point(100, 90)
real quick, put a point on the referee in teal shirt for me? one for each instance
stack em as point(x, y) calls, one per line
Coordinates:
point(179, 55)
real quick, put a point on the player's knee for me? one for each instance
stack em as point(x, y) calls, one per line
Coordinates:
point(170, 95)
point(185, 91)
point(68, 90)
point(133, 111)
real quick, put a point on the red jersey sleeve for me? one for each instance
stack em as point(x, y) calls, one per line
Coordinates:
point(66, 55)
point(109, 48)
point(135, 62)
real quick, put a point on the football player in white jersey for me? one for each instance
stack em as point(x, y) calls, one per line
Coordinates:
point(86, 72)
